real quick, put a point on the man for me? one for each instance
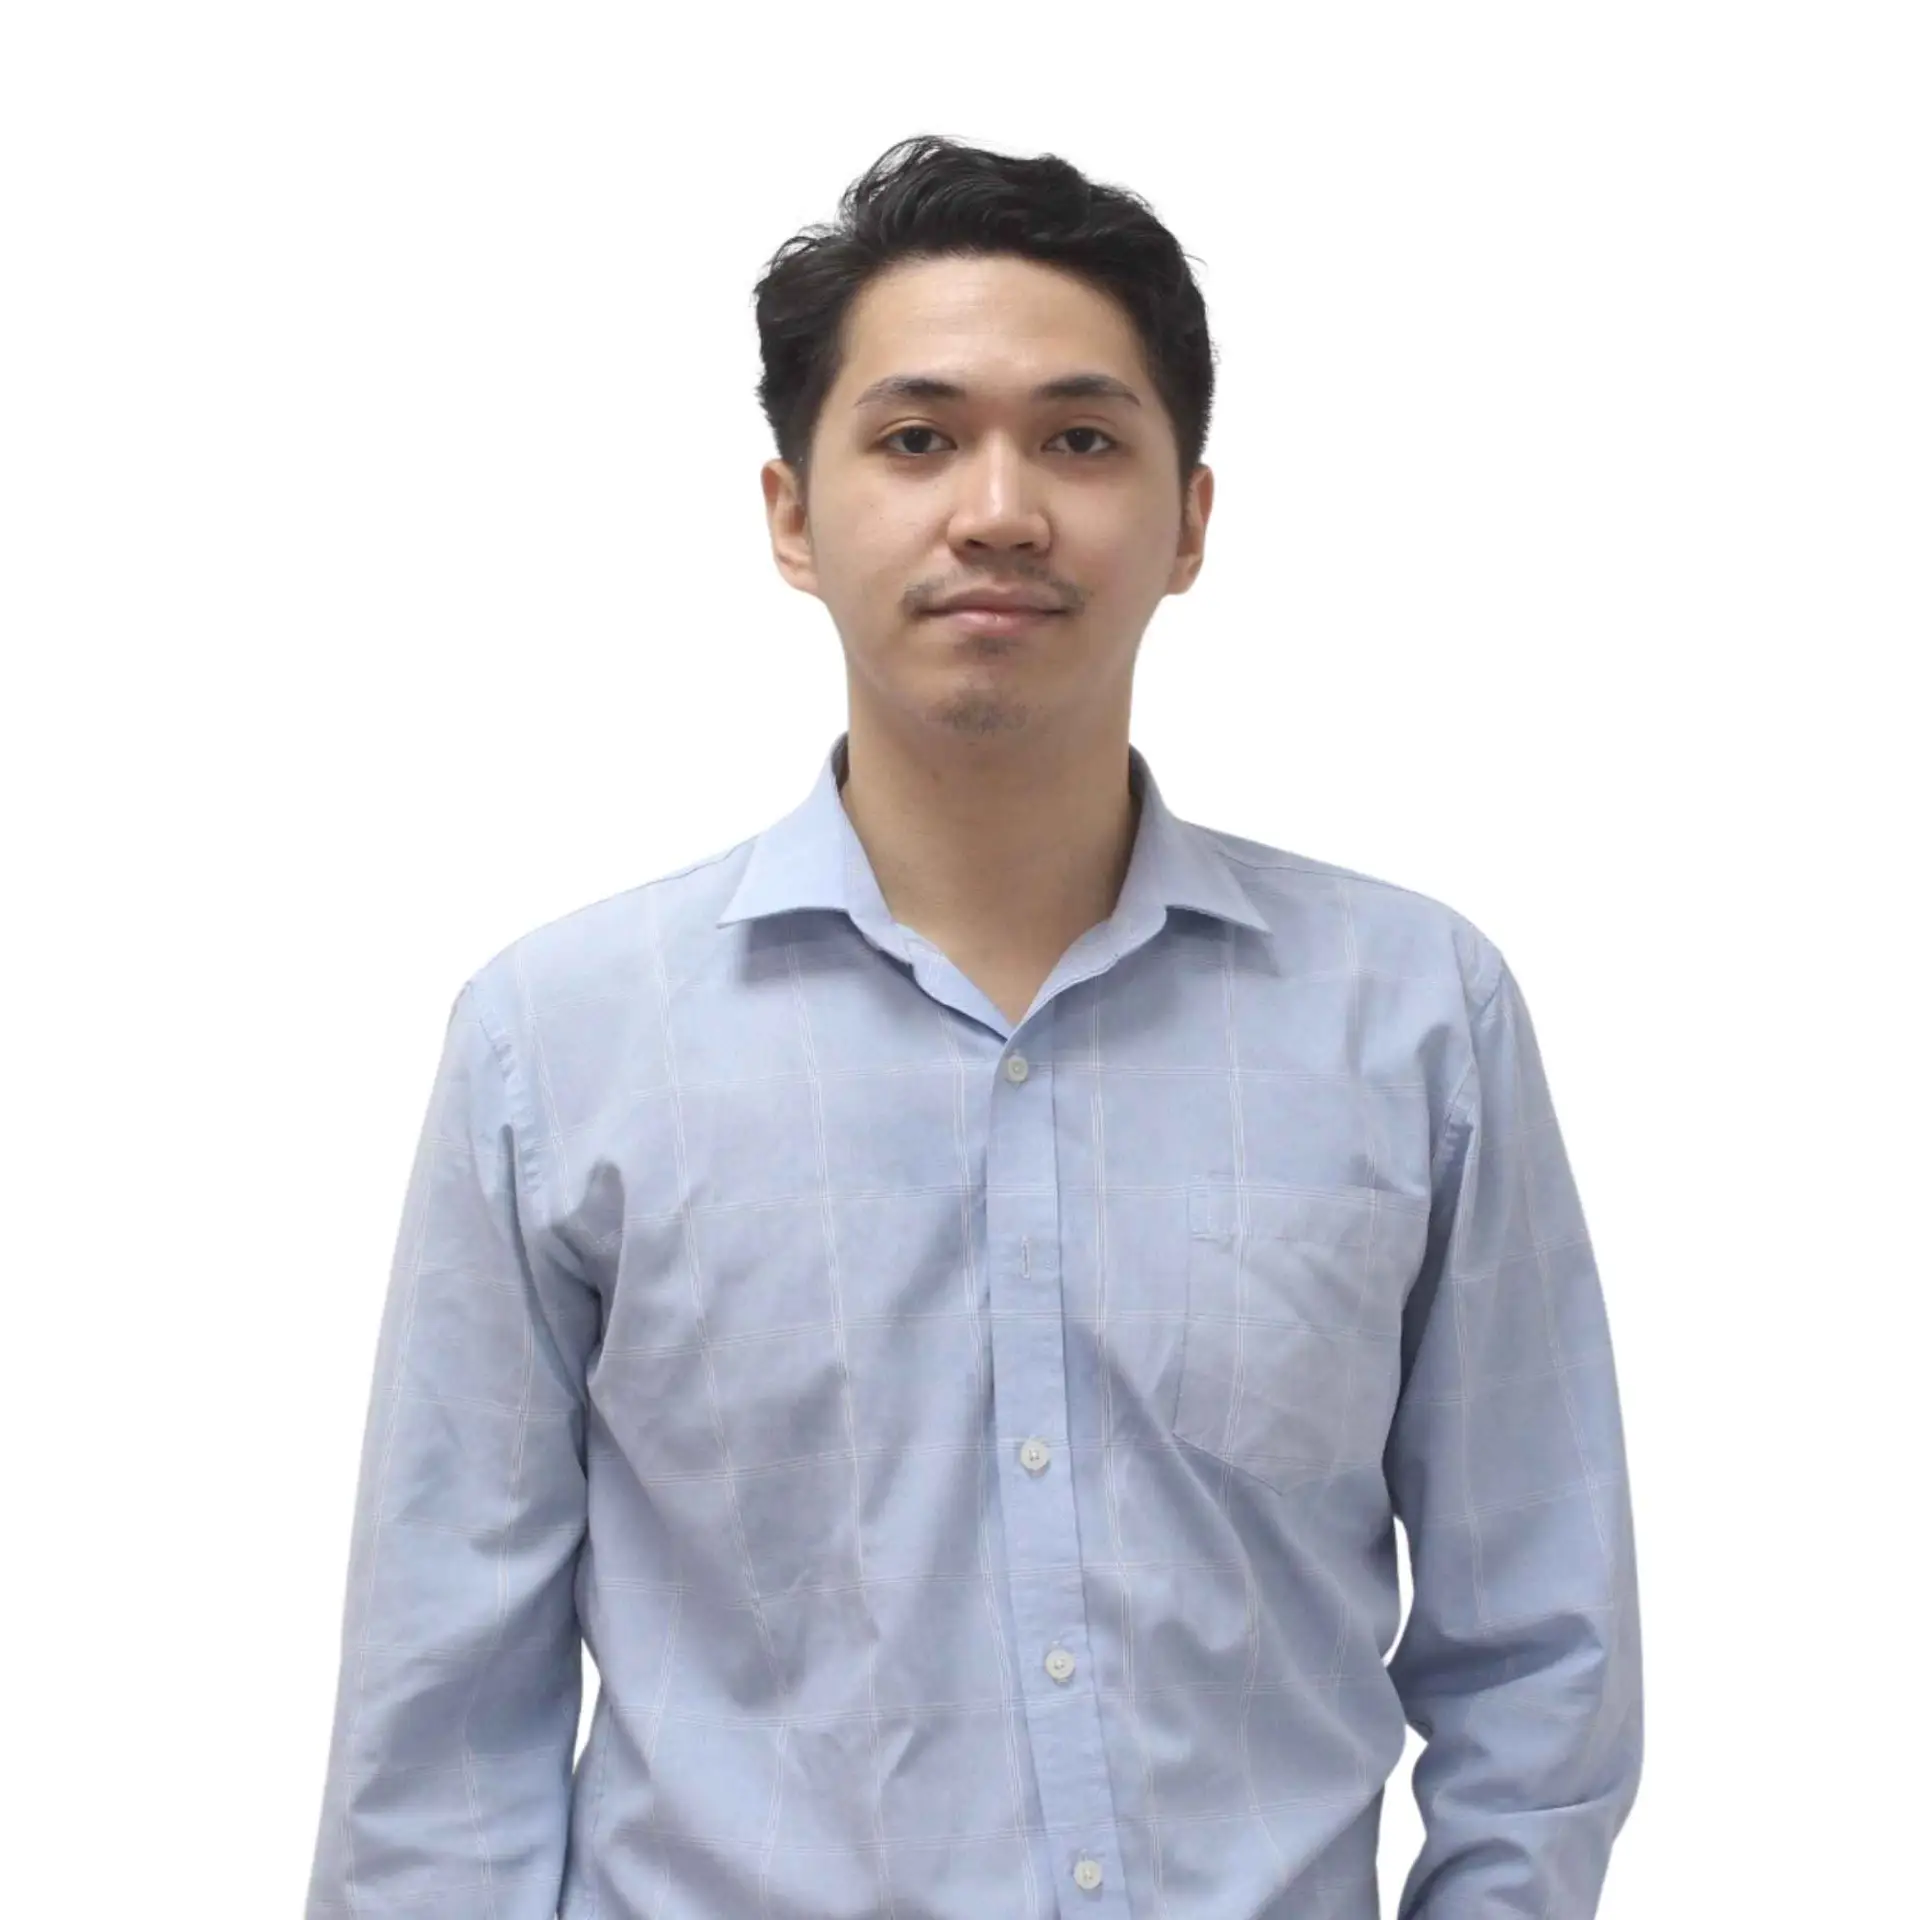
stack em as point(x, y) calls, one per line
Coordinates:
point(948, 1297)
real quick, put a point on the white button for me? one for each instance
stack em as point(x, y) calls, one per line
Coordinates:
point(1034, 1455)
point(1060, 1664)
point(1016, 1067)
point(1087, 1874)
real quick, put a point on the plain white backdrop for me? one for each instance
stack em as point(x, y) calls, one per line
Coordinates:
point(383, 572)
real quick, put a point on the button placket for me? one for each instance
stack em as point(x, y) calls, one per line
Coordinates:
point(1030, 1400)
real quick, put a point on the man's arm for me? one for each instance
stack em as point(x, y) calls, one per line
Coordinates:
point(450, 1768)
point(1520, 1663)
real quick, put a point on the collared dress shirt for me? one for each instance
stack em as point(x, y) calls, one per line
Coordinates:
point(970, 1450)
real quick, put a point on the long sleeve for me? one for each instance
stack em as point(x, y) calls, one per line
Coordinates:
point(1520, 1663)
point(450, 1765)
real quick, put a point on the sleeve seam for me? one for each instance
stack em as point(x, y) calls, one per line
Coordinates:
point(1475, 1010)
point(507, 1063)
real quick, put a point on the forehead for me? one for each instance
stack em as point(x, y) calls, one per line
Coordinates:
point(999, 325)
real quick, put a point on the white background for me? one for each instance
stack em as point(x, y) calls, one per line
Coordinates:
point(383, 571)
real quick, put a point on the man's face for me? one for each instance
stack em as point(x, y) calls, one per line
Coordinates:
point(915, 499)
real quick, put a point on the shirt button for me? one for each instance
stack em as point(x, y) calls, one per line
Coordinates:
point(1034, 1455)
point(1060, 1664)
point(1016, 1067)
point(1087, 1874)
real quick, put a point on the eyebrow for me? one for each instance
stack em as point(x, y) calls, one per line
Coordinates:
point(927, 386)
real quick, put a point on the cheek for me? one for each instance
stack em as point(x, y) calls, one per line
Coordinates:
point(875, 543)
point(1131, 575)
point(1122, 547)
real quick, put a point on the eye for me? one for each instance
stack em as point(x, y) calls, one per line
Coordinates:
point(1100, 432)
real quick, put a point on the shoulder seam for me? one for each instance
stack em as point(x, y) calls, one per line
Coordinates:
point(1320, 869)
point(561, 919)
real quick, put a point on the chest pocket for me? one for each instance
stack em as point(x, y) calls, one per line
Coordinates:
point(1290, 1356)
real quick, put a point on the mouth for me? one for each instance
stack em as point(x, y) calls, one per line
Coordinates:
point(998, 619)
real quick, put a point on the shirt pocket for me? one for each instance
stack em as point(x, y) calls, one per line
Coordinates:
point(1290, 1341)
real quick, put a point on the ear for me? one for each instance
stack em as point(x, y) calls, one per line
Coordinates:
point(788, 527)
point(1196, 510)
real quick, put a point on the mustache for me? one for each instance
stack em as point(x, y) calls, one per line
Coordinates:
point(1055, 598)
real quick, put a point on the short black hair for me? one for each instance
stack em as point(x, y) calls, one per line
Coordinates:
point(928, 197)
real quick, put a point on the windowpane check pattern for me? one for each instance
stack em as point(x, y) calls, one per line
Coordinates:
point(969, 1450)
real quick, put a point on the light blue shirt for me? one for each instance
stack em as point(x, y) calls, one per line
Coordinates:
point(970, 1451)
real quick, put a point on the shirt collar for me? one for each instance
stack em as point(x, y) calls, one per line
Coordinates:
point(813, 858)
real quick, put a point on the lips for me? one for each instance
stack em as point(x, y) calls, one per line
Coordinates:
point(988, 602)
point(1018, 608)
point(1005, 621)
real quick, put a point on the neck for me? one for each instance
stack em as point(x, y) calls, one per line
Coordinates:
point(1010, 844)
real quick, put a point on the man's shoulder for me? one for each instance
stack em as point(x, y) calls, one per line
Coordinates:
point(1394, 927)
point(618, 947)
point(626, 946)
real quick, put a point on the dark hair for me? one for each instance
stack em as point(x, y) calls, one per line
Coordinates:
point(929, 197)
